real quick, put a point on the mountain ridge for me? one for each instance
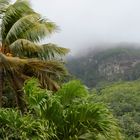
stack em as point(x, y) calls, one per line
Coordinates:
point(107, 65)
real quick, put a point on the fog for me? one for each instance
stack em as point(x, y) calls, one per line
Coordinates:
point(86, 23)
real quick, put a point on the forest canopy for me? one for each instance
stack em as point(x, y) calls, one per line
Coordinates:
point(123, 98)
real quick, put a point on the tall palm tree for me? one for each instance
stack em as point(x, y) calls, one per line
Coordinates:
point(21, 54)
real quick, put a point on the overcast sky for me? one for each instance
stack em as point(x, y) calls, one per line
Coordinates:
point(86, 22)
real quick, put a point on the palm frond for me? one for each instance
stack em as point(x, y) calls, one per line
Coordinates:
point(30, 27)
point(21, 26)
point(53, 51)
point(3, 6)
point(26, 48)
point(51, 26)
point(40, 30)
point(38, 98)
point(71, 91)
point(13, 13)
point(52, 68)
point(92, 119)
point(48, 72)
point(48, 82)
point(11, 64)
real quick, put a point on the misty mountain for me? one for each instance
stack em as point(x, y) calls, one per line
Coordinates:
point(102, 66)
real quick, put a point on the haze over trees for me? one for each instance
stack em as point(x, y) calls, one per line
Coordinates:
point(102, 66)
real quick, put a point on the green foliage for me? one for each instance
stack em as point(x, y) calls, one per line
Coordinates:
point(18, 127)
point(124, 100)
point(70, 114)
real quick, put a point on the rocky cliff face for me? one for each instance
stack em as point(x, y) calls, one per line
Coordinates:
point(116, 69)
point(106, 66)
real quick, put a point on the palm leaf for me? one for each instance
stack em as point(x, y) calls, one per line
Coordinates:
point(33, 65)
point(40, 30)
point(49, 67)
point(71, 91)
point(11, 63)
point(30, 27)
point(48, 72)
point(53, 51)
point(48, 82)
point(21, 26)
point(3, 5)
point(13, 13)
point(25, 48)
point(90, 119)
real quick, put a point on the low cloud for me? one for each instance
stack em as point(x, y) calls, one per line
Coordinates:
point(85, 22)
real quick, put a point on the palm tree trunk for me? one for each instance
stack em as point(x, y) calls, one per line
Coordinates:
point(1, 85)
point(17, 85)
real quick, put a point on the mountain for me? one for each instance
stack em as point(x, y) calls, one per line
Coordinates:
point(102, 66)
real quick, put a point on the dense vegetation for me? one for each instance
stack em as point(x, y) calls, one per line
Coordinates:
point(123, 99)
point(67, 115)
point(100, 69)
point(103, 66)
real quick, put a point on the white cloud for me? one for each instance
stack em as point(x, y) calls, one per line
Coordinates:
point(89, 21)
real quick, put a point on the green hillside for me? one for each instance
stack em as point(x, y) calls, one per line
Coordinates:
point(123, 99)
point(109, 65)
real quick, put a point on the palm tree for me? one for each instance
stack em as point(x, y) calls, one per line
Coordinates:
point(21, 54)
point(71, 113)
